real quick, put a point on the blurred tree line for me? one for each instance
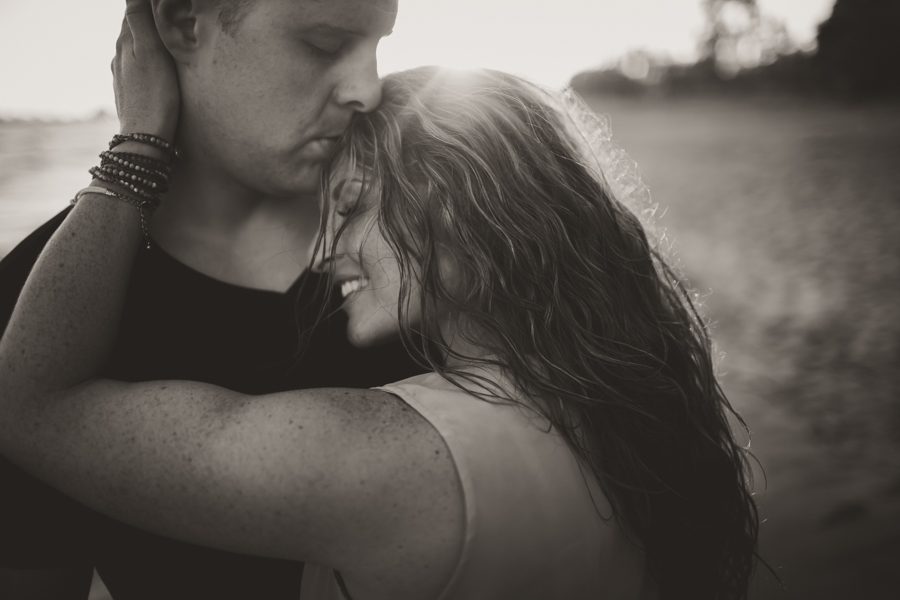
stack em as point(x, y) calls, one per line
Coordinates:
point(857, 55)
point(859, 48)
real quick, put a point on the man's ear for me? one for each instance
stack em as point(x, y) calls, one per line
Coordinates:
point(176, 21)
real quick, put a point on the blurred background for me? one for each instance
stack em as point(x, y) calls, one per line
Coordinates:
point(768, 131)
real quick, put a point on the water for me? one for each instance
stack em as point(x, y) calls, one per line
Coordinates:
point(785, 217)
point(42, 165)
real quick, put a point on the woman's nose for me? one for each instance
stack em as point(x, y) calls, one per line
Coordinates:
point(325, 251)
point(323, 263)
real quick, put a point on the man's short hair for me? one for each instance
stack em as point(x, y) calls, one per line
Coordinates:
point(232, 13)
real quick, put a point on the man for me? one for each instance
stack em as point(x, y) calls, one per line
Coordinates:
point(267, 86)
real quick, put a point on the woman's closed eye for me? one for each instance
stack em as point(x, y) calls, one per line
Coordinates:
point(348, 208)
point(346, 196)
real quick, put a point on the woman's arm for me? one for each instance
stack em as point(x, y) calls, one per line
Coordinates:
point(75, 293)
point(352, 479)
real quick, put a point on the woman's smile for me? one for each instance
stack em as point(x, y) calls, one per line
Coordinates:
point(353, 285)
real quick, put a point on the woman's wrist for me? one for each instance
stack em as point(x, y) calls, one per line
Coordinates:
point(153, 124)
point(152, 142)
point(121, 196)
point(134, 147)
point(139, 163)
point(108, 185)
point(136, 170)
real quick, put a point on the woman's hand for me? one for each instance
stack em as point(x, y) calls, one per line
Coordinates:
point(146, 84)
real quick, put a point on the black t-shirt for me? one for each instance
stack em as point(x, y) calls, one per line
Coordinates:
point(181, 324)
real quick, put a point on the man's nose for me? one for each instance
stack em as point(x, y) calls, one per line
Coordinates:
point(359, 87)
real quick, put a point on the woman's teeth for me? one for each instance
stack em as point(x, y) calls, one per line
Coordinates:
point(348, 287)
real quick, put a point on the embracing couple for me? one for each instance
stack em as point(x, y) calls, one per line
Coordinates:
point(360, 339)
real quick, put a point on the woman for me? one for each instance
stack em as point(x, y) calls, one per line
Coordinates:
point(571, 443)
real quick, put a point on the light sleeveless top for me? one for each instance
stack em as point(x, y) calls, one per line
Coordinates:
point(535, 527)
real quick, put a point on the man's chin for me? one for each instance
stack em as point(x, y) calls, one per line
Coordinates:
point(286, 182)
point(307, 181)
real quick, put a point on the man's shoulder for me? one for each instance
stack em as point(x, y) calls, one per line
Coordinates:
point(15, 266)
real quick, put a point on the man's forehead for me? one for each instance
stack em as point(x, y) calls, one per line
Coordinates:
point(362, 16)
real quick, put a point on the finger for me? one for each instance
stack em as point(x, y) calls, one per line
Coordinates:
point(139, 16)
point(124, 43)
point(143, 30)
point(137, 6)
point(126, 30)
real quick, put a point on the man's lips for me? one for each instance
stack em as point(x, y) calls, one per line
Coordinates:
point(318, 148)
point(322, 145)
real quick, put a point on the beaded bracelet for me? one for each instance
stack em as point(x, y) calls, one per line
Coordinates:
point(143, 138)
point(138, 162)
point(138, 183)
point(141, 205)
point(135, 172)
point(105, 174)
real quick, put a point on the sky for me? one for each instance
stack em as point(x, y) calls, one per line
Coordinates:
point(55, 54)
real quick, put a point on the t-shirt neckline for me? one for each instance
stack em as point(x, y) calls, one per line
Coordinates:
point(290, 291)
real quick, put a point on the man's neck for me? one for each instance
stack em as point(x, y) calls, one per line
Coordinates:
point(219, 227)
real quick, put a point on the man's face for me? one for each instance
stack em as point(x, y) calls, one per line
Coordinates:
point(264, 103)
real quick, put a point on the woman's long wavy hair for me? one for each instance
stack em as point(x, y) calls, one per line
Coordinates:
point(556, 279)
